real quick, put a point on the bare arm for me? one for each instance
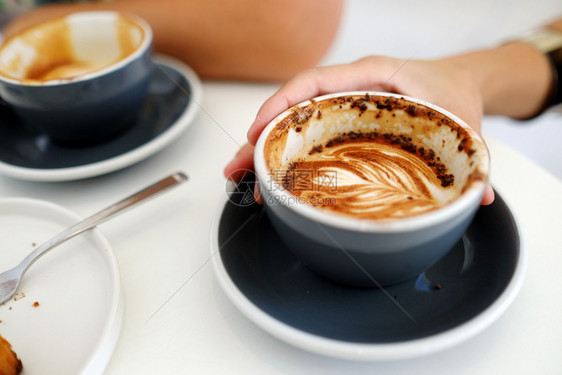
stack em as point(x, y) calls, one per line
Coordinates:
point(252, 39)
point(513, 80)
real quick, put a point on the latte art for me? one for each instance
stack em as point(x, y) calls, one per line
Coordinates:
point(371, 176)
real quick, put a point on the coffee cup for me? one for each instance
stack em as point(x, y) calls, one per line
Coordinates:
point(82, 77)
point(367, 188)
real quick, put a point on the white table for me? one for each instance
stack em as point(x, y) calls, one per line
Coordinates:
point(177, 319)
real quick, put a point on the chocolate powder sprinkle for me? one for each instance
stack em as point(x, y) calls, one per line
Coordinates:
point(298, 117)
point(411, 110)
point(287, 180)
point(316, 149)
point(359, 104)
point(386, 104)
point(354, 135)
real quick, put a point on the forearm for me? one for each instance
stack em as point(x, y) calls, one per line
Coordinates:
point(253, 39)
point(513, 79)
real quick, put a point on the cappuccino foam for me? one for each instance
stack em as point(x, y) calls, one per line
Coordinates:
point(370, 176)
point(371, 157)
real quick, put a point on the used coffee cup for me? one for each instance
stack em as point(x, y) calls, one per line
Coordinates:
point(82, 77)
point(367, 188)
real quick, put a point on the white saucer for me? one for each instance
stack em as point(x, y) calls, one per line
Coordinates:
point(75, 326)
point(173, 100)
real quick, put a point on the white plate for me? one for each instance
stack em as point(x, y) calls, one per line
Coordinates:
point(75, 327)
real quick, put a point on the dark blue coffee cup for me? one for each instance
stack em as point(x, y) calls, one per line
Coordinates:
point(80, 78)
point(352, 247)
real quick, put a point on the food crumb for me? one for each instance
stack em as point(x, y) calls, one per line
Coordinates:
point(35, 304)
point(33, 244)
point(19, 296)
point(437, 286)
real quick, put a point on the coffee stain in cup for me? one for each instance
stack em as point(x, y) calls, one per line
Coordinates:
point(47, 52)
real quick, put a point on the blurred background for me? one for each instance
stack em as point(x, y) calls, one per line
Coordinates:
point(430, 29)
point(437, 28)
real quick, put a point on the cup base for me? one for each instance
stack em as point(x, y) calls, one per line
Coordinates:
point(358, 267)
point(82, 137)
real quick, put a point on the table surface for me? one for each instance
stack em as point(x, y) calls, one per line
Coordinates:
point(178, 320)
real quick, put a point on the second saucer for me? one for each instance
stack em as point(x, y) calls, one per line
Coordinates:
point(173, 101)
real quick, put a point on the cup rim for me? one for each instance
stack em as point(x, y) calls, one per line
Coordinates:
point(140, 50)
point(281, 196)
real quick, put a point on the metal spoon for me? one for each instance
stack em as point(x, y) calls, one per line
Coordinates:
point(10, 279)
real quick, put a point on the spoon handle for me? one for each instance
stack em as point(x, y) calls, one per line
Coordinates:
point(103, 216)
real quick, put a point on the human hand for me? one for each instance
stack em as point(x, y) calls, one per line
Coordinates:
point(441, 82)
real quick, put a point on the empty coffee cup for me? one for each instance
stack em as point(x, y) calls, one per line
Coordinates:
point(370, 189)
point(82, 77)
